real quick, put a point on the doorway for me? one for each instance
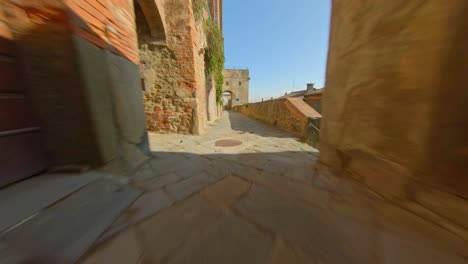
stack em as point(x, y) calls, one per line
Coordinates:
point(21, 149)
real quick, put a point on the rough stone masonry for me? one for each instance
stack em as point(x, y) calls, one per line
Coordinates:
point(173, 68)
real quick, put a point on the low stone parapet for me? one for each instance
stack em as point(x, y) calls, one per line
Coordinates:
point(290, 114)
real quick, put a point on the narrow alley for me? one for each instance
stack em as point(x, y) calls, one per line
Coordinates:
point(233, 132)
point(248, 193)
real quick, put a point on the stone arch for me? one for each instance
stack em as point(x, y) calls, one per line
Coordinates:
point(149, 16)
point(230, 95)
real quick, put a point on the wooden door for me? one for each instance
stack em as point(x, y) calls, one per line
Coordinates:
point(21, 153)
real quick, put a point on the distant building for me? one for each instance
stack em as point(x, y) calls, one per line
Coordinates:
point(312, 96)
point(236, 87)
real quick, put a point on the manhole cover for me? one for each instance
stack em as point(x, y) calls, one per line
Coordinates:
point(228, 143)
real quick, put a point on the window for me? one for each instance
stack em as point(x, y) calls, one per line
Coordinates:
point(240, 83)
point(227, 83)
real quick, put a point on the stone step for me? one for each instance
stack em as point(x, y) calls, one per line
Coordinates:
point(24, 199)
point(66, 230)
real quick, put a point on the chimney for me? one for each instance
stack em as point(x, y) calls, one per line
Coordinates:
point(310, 87)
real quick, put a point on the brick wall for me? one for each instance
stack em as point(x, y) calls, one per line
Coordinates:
point(107, 24)
point(176, 95)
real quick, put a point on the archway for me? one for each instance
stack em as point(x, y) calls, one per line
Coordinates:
point(227, 99)
point(151, 38)
point(149, 22)
point(150, 31)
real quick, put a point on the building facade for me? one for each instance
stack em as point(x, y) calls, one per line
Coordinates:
point(312, 96)
point(236, 84)
point(172, 68)
point(78, 78)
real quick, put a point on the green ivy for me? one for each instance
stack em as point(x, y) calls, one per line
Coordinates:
point(214, 57)
point(214, 53)
point(199, 7)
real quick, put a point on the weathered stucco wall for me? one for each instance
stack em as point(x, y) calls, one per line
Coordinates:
point(200, 42)
point(395, 107)
point(213, 108)
point(290, 114)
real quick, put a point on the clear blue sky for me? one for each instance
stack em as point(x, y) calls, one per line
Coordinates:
point(279, 41)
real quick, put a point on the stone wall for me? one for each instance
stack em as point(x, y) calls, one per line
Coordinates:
point(169, 104)
point(237, 82)
point(176, 93)
point(395, 107)
point(290, 114)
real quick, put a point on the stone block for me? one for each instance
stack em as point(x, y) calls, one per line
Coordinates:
point(130, 158)
point(229, 241)
point(169, 164)
point(157, 182)
point(24, 199)
point(145, 206)
point(144, 173)
point(185, 188)
point(93, 69)
point(127, 98)
point(226, 192)
point(87, 214)
point(123, 249)
point(294, 189)
point(284, 254)
point(168, 231)
point(306, 227)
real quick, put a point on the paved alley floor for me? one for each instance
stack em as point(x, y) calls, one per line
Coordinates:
point(249, 193)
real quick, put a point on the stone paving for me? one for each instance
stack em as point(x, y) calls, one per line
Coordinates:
point(262, 201)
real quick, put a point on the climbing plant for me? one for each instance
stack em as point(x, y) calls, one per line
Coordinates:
point(214, 57)
point(214, 52)
point(199, 7)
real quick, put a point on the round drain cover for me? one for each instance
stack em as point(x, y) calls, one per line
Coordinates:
point(228, 143)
